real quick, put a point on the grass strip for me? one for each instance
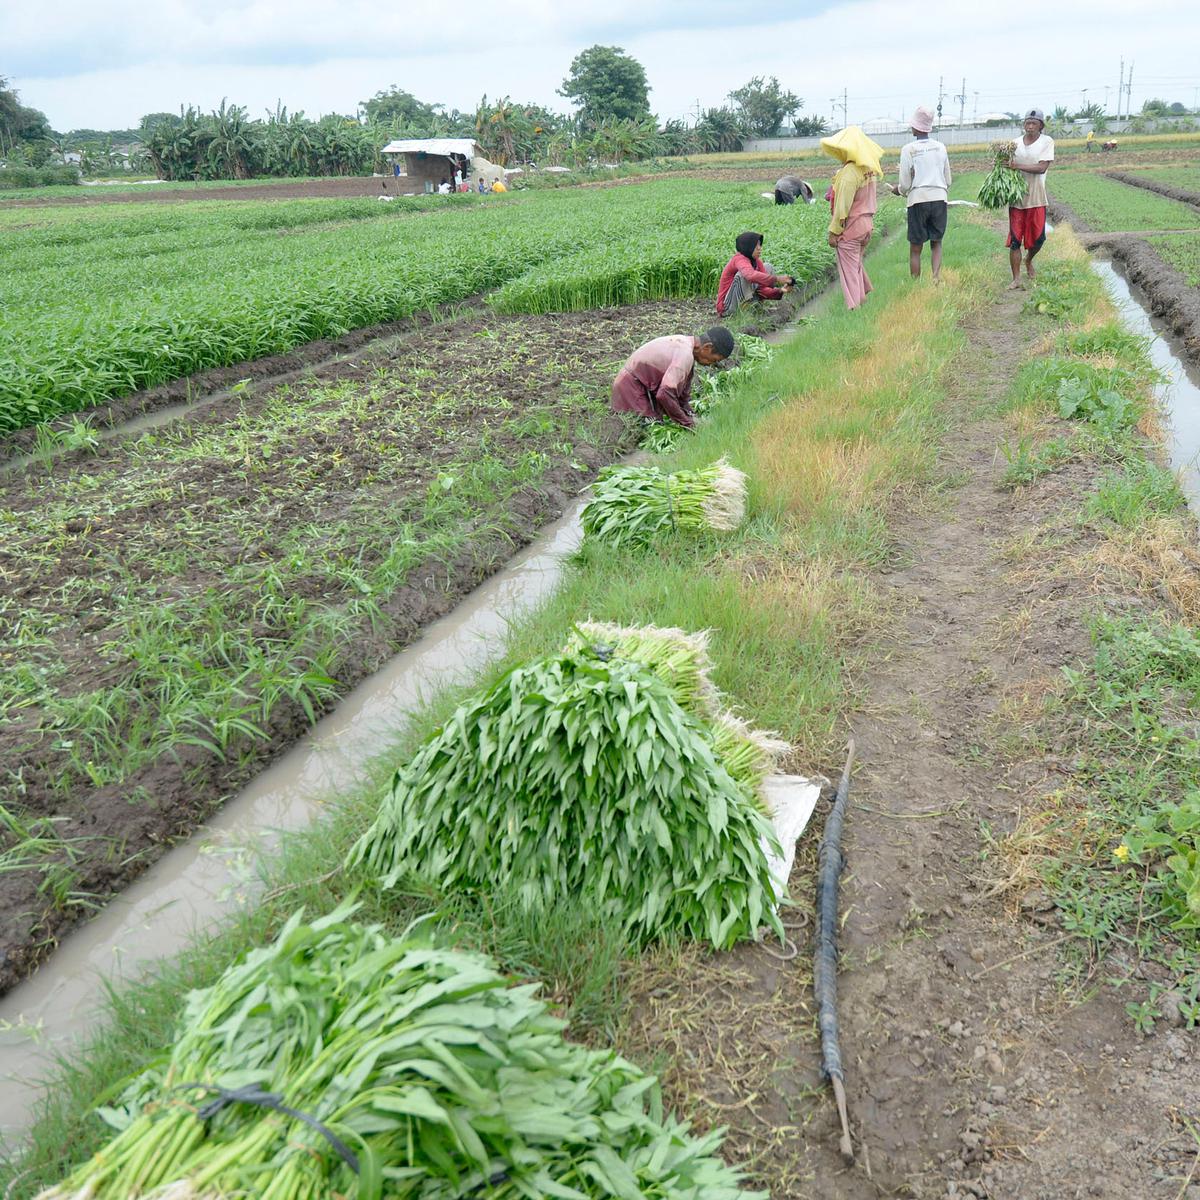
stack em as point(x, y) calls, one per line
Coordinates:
point(1117, 847)
point(836, 429)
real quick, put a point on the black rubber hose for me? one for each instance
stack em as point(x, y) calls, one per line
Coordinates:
point(825, 958)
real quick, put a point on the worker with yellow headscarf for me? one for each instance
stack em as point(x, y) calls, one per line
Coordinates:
point(852, 199)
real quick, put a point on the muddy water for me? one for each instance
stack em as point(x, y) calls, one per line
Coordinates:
point(208, 877)
point(1179, 394)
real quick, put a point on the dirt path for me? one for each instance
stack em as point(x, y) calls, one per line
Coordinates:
point(971, 1071)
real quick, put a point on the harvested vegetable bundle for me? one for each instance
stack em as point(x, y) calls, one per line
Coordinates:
point(1003, 185)
point(753, 355)
point(415, 1068)
point(681, 660)
point(631, 506)
point(577, 776)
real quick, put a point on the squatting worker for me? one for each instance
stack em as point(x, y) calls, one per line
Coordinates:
point(746, 277)
point(925, 183)
point(656, 380)
point(852, 201)
point(790, 188)
point(1027, 220)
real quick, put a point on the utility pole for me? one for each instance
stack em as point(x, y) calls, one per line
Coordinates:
point(975, 112)
point(1120, 89)
point(941, 93)
point(962, 102)
point(845, 106)
point(1129, 91)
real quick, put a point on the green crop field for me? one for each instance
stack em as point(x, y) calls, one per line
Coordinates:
point(1182, 176)
point(1107, 205)
point(1183, 253)
point(100, 303)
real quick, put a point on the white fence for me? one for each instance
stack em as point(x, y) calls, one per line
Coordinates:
point(952, 135)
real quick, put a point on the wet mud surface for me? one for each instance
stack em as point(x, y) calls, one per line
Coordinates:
point(1166, 290)
point(339, 189)
point(196, 545)
point(1170, 297)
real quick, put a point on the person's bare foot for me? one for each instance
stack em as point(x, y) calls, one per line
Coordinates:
point(1016, 286)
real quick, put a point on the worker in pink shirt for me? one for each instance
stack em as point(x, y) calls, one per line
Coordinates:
point(656, 380)
point(746, 277)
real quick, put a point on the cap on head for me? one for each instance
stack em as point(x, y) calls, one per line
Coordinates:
point(922, 120)
point(720, 339)
point(1036, 114)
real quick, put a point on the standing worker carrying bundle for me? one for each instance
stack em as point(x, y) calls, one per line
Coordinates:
point(852, 200)
point(925, 182)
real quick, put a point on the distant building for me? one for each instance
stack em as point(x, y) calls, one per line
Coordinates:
point(427, 161)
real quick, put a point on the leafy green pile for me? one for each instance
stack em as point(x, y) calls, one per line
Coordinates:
point(1002, 186)
point(681, 660)
point(633, 506)
point(714, 386)
point(582, 775)
point(437, 1079)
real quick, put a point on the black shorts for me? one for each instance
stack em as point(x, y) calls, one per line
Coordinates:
point(927, 221)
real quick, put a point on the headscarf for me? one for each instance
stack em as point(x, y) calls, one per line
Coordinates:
point(745, 243)
point(851, 145)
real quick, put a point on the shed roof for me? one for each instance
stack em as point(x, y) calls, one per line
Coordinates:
point(446, 146)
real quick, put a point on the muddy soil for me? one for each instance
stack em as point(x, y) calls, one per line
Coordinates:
point(1156, 185)
point(1170, 297)
point(972, 1069)
point(88, 539)
point(338, 189)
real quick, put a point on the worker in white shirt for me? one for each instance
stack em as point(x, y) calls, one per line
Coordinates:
point(925, 183)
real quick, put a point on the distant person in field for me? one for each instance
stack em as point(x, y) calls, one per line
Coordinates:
point(499, 187)
point(852, 202)
point(746, 277)
point(482, 185)
point(656, 380)
point(1091, 140)
point(925, 183)
point(444, 188)
point(790, 188)
point(1027, 220)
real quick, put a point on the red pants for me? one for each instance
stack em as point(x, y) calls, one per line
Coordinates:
point(1026, 227)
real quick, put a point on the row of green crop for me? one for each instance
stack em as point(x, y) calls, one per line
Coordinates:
point(1183, 253)
point(649, 266)
point(154, 298)
point(1107, 205)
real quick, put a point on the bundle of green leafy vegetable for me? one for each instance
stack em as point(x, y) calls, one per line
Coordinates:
point(581, 775)
point(434, 1078)
point(714, 387)
point(1003, 185)
point(632, 506)
point(681, 659)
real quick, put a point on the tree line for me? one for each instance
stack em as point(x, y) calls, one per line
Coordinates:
point(611, 121)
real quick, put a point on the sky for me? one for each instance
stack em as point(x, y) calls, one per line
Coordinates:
point(103, 65)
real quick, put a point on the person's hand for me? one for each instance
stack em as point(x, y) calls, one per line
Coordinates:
point(1012, 163)
point(833, 239)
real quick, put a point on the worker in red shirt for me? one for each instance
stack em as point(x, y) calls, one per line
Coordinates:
point(746, 277)
point(656, 380)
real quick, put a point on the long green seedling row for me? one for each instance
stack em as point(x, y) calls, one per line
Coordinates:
point(687, 262)
point(97, 321)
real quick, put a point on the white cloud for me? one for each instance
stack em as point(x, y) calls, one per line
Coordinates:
point(103, 66)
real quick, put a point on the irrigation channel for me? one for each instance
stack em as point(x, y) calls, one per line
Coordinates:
point(209, 876)
point(1178, 394)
